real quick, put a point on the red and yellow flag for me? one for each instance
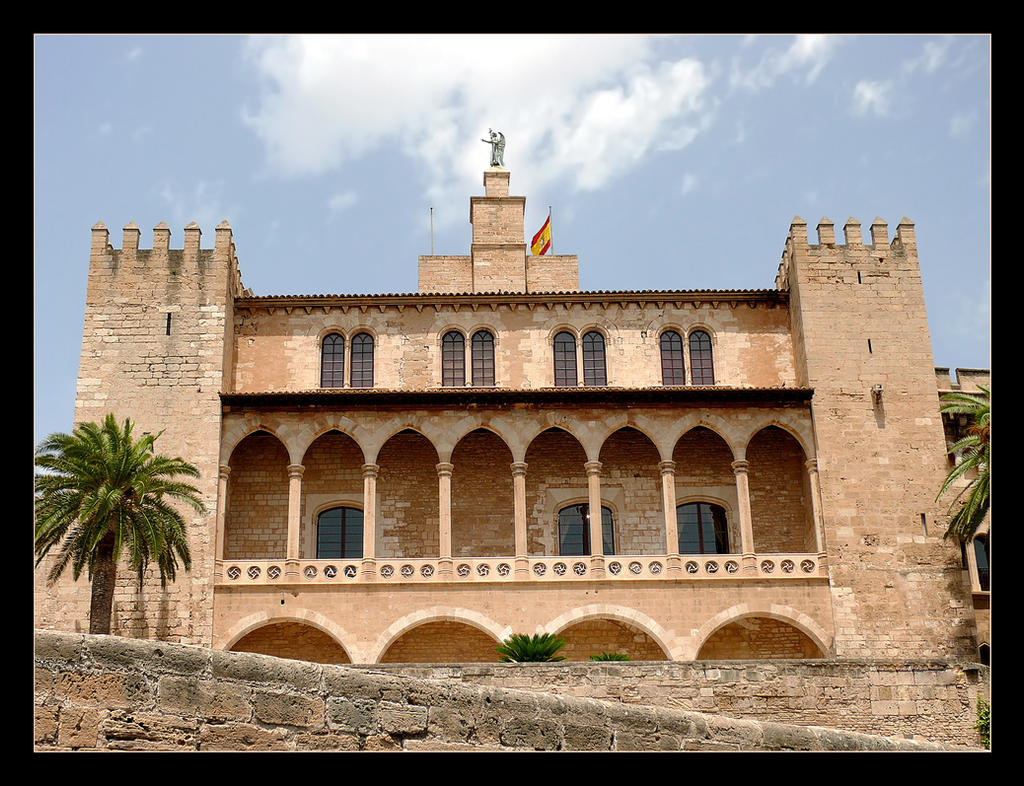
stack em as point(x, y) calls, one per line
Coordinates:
point(542, 240)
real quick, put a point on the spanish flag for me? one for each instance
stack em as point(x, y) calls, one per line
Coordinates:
point(542, 240)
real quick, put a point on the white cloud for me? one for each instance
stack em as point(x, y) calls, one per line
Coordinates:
point(806, 55)
point(689, 183)
point(933, 56)
point(580, 109)
point(871, 97)
point(339, 203)
point(961, 123)
point(202, 204)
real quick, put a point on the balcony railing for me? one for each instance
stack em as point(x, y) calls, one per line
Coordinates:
point(341, 572)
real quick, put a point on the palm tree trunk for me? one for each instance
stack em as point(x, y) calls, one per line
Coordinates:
point(104, 576)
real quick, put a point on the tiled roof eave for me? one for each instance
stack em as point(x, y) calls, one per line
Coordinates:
point(688, 394)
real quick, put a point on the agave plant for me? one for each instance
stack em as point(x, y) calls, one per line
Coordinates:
point(539, 648)
point(611, 656)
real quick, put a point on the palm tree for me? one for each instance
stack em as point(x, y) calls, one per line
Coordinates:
point(975, 456)
point(98, 493)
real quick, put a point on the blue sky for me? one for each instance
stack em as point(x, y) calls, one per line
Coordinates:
point(668, 162)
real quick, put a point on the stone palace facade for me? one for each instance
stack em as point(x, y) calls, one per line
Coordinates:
point(676, 475)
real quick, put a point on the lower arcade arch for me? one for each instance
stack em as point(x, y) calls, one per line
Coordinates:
point(442, 641)
point(759, 637)
point(598, 635)
point(293, 639)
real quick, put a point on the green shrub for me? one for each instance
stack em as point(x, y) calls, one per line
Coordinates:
point(984, 724)
point(611, 656)
point(539, 648)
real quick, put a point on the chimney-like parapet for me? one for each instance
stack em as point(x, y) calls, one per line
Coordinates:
point(161, 240)
point(879, 233)
point(826, 232)
point(851, 232)
point(905, 233)
point(192, 235)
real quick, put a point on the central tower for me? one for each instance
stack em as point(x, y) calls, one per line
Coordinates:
point(498, 260)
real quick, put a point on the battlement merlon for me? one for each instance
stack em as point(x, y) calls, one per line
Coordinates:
point(904, 241)
point(101, 250)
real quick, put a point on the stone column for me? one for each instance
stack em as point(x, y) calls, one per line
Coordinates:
point(519, 516)
point(819, 524)
point(593, 469)
point(746, 526)
point(444, 491)
point(369, 566)
point(668, 500)
point(294, 517)
point(222, 514)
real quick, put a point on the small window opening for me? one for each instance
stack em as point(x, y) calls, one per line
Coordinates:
point(858, 277)
point(869, 346)
point(924, 525)
point(168, 328)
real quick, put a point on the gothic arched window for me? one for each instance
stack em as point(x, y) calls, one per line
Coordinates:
point(574, 530)
point(672, 368)
point(453, 359)
point(702, 367)
point(339, 534)
point(565, 360)
point(362, 361)
point(594, 372)
point(332, 361)
point(483, 358)
point(702, 528)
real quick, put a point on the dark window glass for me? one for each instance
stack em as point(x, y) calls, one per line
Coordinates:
point(339, 534)
point(981, 558)
point(565, 360)
point(672, 371)
point(702, 369)
point(483, 358)
point(453, 359)
point(593, 359)
point(332, 361)
point(574, 531)
point(702, 529)
point(362, 361)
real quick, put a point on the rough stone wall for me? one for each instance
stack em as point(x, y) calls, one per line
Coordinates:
point(482, 520)
point(780, 500)
point(256, 522)
point(112, 693)
point(407, 498)
point(932, 700)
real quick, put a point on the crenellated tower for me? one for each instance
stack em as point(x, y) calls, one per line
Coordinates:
point(861, 341)
point(156, 349)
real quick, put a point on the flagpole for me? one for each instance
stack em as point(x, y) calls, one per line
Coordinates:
point(552, 243)
point(431, 231)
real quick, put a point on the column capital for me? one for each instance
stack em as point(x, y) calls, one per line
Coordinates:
point(370, 470)
point(518, 468)
point(667, 467)
point(295, 470)
point(593, 467)
point(445, 469)
point(740, 466)
point(225, 470)
point(811, 464)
